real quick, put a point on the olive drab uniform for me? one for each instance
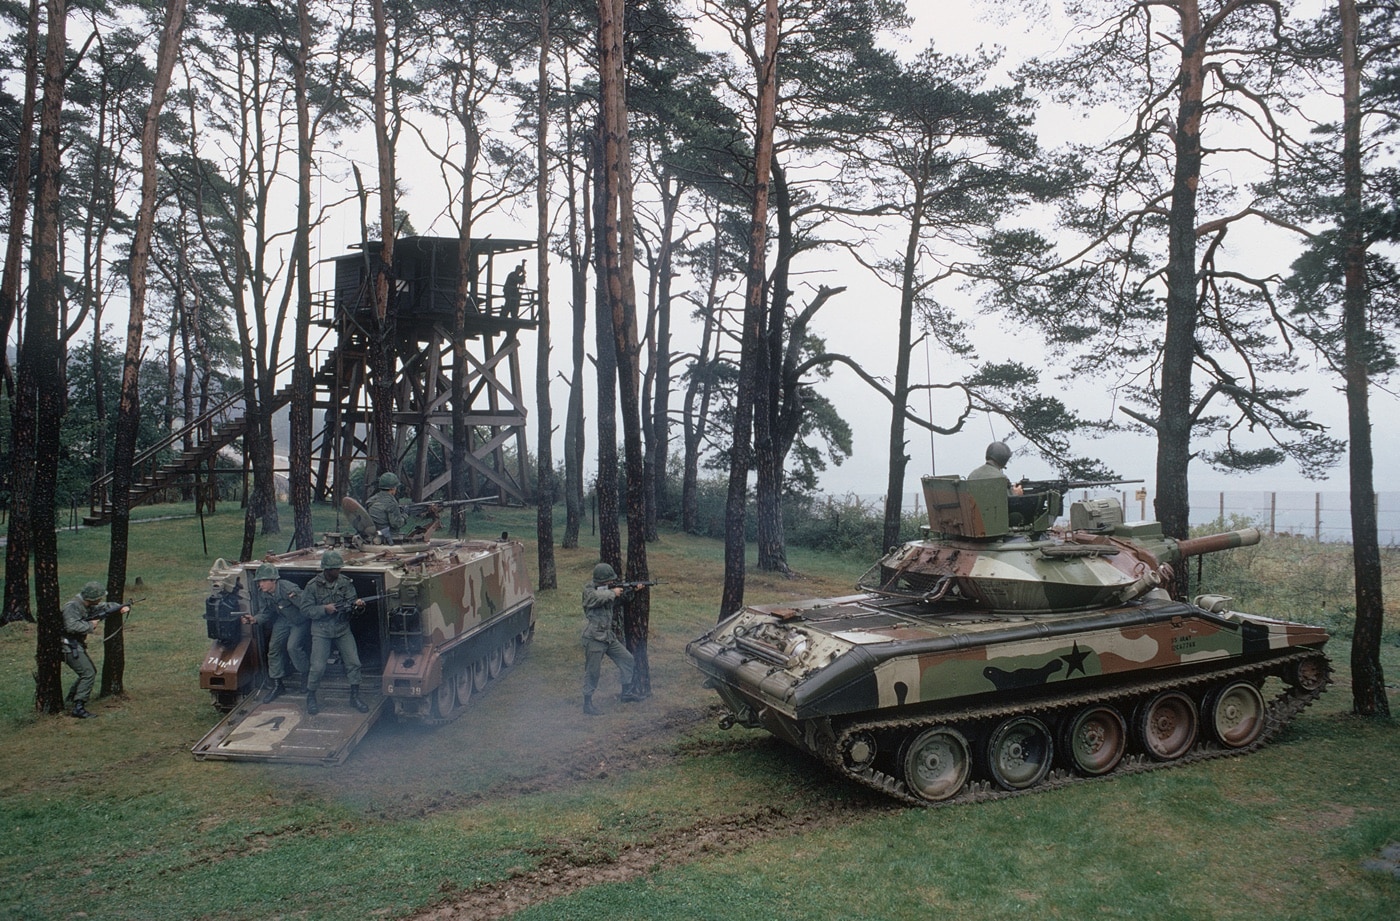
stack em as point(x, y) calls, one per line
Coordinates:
point(330, 629)
point(290, 628)
point(76, 627)
point(386, 513)
point(600, 640)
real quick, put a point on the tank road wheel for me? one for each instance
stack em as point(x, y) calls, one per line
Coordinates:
point(443, 703)
point(479, 675)
point(1018, 752)
point(1310, 674)
point(1236, 714)
point(509, 650)
point(858, 752)
point(937, 763)
point(1166, 725)
point(1095, 739)
point(493, 664)
point(463, 682)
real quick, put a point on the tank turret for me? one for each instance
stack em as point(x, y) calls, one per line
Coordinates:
point(1002, 651)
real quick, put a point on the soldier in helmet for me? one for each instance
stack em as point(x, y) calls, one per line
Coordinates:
point(385, 511)
point(598, 637)
point(83, 615)
point(328, 601)
point(998, 456)
point(281, 608)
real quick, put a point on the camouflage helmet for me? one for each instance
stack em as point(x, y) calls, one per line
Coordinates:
point(998, 453)
point(93, 591)
point(332, 559)
point(265, 571)
point(603, 573)
point(387, 480)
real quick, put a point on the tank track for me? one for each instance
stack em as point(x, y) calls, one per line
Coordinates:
point(1278, 713)
point(427, 717)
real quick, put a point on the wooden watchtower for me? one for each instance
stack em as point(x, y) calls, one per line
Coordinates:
point(423, 291)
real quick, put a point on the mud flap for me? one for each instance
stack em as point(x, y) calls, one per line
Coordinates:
point(283, 731)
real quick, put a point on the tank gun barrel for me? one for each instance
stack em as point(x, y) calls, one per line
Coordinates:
point(1213, 543)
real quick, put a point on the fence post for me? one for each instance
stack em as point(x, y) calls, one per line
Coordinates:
point(1222, 506)
point(1273, 511)
point(1317, 516)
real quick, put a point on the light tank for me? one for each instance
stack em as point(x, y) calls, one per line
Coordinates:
point(1000, 654)
point(443, 618)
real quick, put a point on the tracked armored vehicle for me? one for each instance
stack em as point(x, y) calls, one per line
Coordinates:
point(999, 655)
point(444, 618)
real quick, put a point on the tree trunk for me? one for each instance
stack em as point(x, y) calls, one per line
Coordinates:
point(299, 436)
point(41, 370)
point(17, 547)
point(1175, 406)
point(129, 403)
point(616, 257)
point(546, 487)
point(19, 210)
point(898, 459)
point(382, 362)
point(741, 453)
point(1367, 679)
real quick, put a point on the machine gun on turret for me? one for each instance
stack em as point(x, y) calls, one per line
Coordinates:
point(1028, 485)
point(433, 508)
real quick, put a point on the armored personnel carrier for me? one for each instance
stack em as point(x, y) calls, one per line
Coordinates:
point(443, 618)
point(999, 655)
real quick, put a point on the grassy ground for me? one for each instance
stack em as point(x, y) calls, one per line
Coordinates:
point(525, 808)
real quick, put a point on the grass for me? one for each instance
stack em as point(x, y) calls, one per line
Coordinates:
point(648, 811)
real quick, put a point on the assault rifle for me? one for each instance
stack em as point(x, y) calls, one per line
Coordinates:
point(346, 608)
point(638, 583)
point(1063, 486)
point(125, 605)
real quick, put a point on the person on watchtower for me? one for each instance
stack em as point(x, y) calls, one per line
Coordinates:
point(329, 602)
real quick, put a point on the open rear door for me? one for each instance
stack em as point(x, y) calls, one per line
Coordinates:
point(283, 731)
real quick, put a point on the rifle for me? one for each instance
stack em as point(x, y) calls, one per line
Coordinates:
point(419, 508)
point(639, 583)
point(1063, 486)
point(116, 610)
point(346, 608)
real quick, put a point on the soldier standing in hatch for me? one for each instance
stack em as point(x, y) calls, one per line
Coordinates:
point(998, 456)
point(384, 510)
point(83, 615)
point(322, 602)
point(598, 637)
point(281, 607)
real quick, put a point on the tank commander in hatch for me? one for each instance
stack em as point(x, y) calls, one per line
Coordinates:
point(329, 602)
point(385, 510)
point(83, 615)
point(599, 598)
point(280, 607)
point(997, 457)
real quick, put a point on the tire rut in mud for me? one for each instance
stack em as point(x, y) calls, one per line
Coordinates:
point(571, 870)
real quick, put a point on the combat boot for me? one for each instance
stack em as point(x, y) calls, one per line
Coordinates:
point(311, 706)
point(278, 688)
point(82, 713)
point(588, 705)
point(355, 699)
point(629, 696)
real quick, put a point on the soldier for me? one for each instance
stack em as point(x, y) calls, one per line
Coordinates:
point(384, 510)
point(388, 515)
point(598, 637)
point(328, 601)
point(82, 615)
point(281, 607)
point(998, 456)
